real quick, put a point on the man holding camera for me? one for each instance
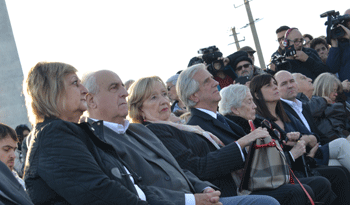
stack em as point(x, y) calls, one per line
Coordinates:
point(305, 60)
point(339, 54)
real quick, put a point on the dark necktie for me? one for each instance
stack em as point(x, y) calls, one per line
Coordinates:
point(222, 119)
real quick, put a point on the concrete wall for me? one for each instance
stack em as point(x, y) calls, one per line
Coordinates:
point(12, 107)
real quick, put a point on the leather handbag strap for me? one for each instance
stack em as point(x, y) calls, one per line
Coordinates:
point(307, 193)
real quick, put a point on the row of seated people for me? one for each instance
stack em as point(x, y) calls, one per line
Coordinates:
point(105, 159)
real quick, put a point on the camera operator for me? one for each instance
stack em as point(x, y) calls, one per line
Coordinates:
point(306, 60)
point(216, 65)
point(339, 54)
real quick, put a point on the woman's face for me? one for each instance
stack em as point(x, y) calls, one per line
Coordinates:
point(333, 95)
point(157, 106)
point(247, 110)
point(270, 92)
point(74, 99)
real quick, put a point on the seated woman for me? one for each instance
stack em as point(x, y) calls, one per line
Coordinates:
point(331, 119)
point(295, 135)
point(66, 162)
point(195, 150)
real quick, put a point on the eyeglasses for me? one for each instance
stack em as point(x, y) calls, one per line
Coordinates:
point(306, 43)
point(169, 87)
point(267, 124)
point(300, 40)
point(241, 66)
point(280, 39)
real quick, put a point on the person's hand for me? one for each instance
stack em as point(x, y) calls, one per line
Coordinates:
point(346, 85)
point(226, 61)
point(208, 190)
point(298, 149)
point(211, 197)
point(310, 140)
point(293, 137)
point(347, 32)
point(313, 151)
point(329, 101)
point(301, 56)
point(258, 133)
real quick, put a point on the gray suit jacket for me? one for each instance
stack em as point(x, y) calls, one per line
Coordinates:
point(161, 179)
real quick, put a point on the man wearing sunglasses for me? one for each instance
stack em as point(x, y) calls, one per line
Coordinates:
point(306, 60)
point(242, 65)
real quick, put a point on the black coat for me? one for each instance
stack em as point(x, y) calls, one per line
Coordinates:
point(68, 164)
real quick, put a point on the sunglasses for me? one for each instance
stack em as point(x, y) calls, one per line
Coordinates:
point(243, 66)
point(268, 125)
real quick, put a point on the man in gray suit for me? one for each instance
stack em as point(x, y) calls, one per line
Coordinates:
point(141, 149)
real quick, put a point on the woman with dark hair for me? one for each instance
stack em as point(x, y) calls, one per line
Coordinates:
point(295, 136)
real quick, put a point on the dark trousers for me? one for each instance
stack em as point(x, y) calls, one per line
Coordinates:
point(339, 179)
point(318, 187)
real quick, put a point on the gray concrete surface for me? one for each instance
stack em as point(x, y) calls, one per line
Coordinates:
point(12, 107)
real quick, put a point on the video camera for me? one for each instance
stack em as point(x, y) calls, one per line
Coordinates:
point(280, 60)
point(210, 56)
point(333, 20)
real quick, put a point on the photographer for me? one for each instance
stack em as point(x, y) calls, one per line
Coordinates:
point(216, 65)
point(305, 60)
point(339, 54)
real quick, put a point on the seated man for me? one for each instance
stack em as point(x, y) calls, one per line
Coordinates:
point(203, 101)
point(140, 148)
point(335, 151)
point(11, 190)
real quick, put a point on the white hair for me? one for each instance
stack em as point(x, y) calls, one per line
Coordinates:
point(173, 79)
point(187, 86)
point(89, 81)
point(232, 96)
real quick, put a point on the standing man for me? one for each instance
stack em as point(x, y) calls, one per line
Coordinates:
point(280, 38)
point(306, 60)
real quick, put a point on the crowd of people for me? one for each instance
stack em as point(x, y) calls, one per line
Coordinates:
point(182, 141)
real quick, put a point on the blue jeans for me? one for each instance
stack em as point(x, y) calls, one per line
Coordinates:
point(249, 200)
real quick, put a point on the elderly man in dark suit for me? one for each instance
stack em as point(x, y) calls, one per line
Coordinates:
point(335, 153)
point(139, 147)
point(198, 90)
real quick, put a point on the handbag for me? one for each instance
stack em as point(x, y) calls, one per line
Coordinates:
point(266, 166)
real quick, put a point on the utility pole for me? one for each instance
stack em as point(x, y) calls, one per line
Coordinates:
point(255, 34)
point(234, 34)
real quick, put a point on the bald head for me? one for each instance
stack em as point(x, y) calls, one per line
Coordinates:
point(286, 85)
point(295, 38)
point(347, 12)
point(107, 96)
point(304, 84)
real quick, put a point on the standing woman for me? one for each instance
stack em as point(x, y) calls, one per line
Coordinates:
point(66, 162)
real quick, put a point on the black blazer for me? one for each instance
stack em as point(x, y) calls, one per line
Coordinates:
point(308, 116)
point(11, 192)
point(208, 123)
point(197, 154)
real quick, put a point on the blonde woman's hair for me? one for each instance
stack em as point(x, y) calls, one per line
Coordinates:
point(138, 93)
point(44, 88)
point(324, 85)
